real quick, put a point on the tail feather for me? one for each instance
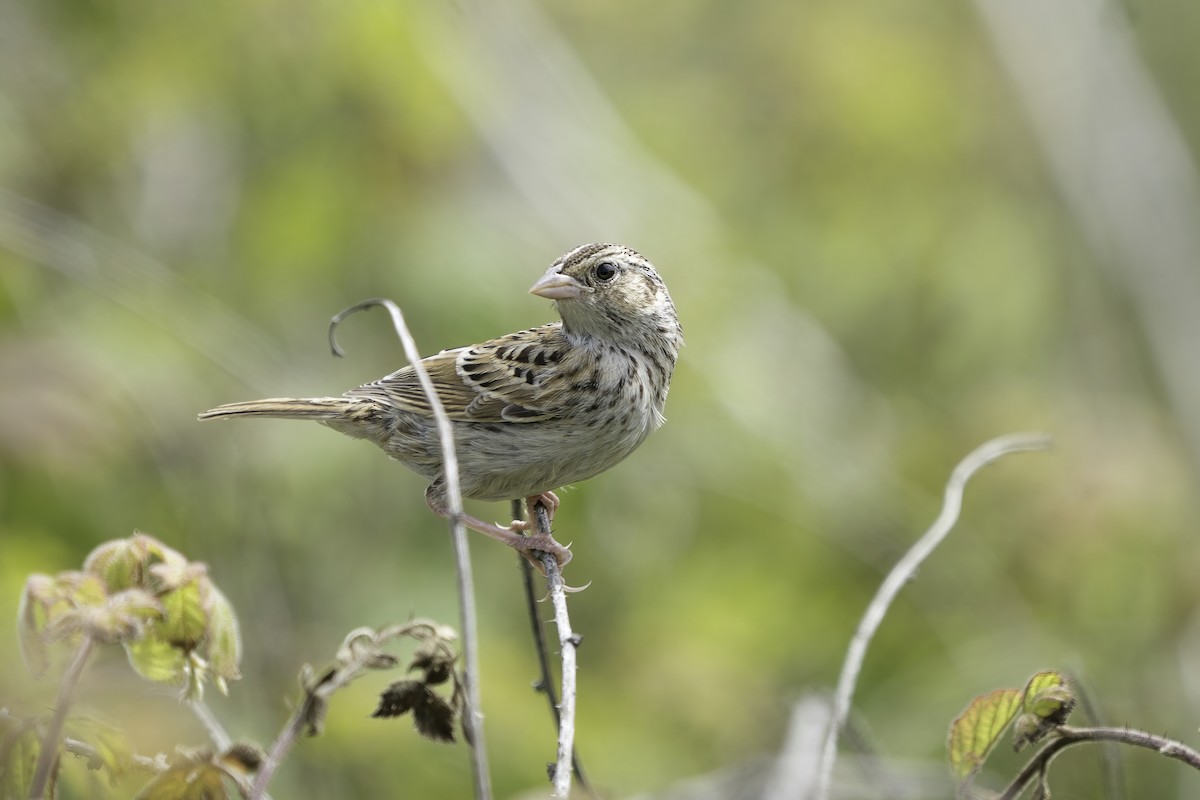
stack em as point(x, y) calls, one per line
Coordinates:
point(316, 408)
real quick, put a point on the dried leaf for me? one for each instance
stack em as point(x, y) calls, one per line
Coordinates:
point(432, 716)
point(399, 698)
point(433, 661)
point(434, 719)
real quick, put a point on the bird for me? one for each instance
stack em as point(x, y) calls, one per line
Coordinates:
point(531, 411)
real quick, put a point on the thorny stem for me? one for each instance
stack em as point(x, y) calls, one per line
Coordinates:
point(545, 682)
point(50, 742)
point(567, 642)
point(905, 568)
point(473, 714)
point(1067, 736)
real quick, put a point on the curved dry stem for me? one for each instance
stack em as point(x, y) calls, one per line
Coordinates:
point(905, 568)
point(473, 714)
point(1068, 736)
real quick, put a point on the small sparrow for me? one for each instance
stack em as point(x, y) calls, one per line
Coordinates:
point(531, 411)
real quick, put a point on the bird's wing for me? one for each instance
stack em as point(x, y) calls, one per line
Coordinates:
point(510, 379)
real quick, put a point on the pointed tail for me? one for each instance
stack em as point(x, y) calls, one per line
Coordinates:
point(316, 408)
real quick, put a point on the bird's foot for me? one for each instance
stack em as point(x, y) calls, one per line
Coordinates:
point(548, 500)
point(531, 547)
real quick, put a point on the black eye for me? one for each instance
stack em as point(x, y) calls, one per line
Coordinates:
point(606, 271)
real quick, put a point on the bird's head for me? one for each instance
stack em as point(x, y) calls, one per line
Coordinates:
point(610, 292)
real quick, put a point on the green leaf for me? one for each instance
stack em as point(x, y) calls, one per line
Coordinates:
point(1042, 680)
point(31, 621)
point(113, 751)
point(156, 659)
point(20, 744)
point(977, 729)
point(81, 590)
point(184, 621)
point(223, 646)
point(50, 610)
point(120, 563)
point(1047, 701)
point(130, 610)
point(1048, 696)
point(187, 781)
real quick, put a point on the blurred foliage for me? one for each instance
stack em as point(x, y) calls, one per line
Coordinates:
point(873, 268)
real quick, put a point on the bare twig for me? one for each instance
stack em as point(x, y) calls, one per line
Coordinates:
point(50, 742)
point(545, 682)
point(794, 771)
point(1067, 736)
point(473, 714)
point(155, 765)
point(222, 741)
point(567, 642)
point(905, 568)
point(216, 731)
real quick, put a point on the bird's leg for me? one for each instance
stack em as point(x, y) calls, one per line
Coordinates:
point(527, 546)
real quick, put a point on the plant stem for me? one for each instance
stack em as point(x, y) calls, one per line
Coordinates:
point(473, 714)
point(567, 642)
point(50, 743)
point(900, 575)
point(1068, 736)
point(545, 683)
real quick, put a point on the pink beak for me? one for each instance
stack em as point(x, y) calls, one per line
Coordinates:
point(554, 285)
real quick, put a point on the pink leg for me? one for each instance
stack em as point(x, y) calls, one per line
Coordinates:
point(528, 546)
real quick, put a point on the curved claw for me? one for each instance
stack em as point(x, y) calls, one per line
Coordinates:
point(567, 589)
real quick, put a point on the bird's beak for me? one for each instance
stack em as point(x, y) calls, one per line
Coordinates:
point(554, 285)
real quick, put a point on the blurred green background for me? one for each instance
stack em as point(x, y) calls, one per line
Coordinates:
point(876, 268)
